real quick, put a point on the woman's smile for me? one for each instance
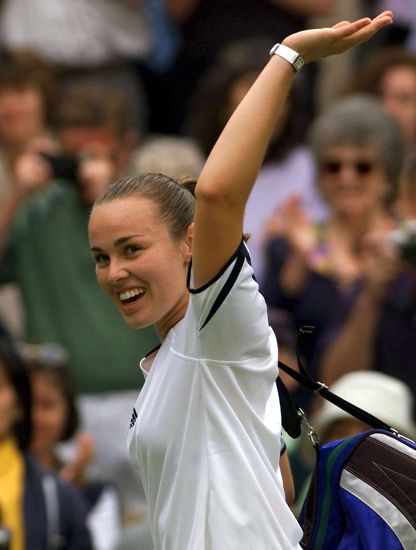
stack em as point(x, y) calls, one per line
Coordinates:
point(129, 299)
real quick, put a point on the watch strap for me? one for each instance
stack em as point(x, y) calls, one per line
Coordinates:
point(291, 56)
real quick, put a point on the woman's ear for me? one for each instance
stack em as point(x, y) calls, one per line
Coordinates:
point(188, 242)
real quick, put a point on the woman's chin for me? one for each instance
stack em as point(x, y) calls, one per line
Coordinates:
point(135, 323)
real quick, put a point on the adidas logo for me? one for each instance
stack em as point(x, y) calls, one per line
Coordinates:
point(133, 418)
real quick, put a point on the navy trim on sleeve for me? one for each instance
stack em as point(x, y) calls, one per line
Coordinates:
point(229, 283)
point(241, 250)
point(239, 256)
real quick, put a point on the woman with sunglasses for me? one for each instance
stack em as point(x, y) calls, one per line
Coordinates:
point(205, 430)
point(313, 268)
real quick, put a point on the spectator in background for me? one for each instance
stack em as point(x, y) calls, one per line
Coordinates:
point(390, 75)
point(313, 268)
point(172, 156)
point(375, 328)
point(55, 420)
point(406, 201)
point(381, 395)
point(86, 41)
point(208, 26)
point(27, 100)
point(47, 241)
point(37, 509)
point(47, 254)
point(288, 166)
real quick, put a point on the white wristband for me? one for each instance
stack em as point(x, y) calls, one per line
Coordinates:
point(289, 55)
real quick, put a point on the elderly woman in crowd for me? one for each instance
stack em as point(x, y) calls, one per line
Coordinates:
point(315, 270)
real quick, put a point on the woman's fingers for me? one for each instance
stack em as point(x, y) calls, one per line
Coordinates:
point(371, 26)
point(350, 34)
point(365, 25)
point(341, 24)
point(381, 18)
point(315, 44)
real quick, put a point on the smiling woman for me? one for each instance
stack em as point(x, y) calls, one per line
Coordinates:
point(140, 260)
point(205, 433)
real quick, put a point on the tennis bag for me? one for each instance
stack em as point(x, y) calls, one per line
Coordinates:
point(362, 493)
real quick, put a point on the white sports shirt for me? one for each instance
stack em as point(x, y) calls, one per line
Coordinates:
point(201, 434)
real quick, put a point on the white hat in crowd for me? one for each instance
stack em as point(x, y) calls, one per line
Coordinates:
point(383, 396)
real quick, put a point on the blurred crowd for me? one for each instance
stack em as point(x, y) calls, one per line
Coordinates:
point(91, 90)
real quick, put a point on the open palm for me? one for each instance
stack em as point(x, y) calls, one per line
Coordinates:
point(313, 44)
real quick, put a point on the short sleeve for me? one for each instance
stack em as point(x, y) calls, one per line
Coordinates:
point(231, 314)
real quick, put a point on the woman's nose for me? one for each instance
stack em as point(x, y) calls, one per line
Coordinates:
point(117, 271)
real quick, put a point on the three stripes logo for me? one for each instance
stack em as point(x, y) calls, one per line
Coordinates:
point(133, 419)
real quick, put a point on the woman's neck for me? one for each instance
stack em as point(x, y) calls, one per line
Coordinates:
point(46, 458)
point(175, 315)
point(354, 228)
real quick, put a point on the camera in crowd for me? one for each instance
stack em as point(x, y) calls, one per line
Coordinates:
point(64, 167)
point(404, 239)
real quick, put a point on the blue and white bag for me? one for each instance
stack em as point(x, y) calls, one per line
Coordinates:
point(362, 494)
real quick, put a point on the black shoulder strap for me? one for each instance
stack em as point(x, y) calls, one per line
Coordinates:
point(322, 389)
point(292, 421)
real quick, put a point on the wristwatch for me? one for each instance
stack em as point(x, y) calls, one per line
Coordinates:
point(289, 55)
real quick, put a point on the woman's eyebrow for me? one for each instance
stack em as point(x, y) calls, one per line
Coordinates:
point(122, 240)
point(116, 243)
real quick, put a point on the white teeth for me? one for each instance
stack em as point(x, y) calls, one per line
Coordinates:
point(130, 293)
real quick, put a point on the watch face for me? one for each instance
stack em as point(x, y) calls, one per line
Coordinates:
point(298, 63)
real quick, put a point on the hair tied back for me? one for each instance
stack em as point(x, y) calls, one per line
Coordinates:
point(189, 184)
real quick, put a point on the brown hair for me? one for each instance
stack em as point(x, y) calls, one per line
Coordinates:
point(174, 197)
point(17, 375)
point(51, 360)
point(369, 75)
point(94, 106)
point(22, 69)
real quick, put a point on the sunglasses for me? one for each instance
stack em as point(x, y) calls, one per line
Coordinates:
point(361, 167)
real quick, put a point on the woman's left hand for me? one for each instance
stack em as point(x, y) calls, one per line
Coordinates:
point(314, 44)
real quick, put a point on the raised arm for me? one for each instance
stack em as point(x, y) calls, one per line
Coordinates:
point(232, 167)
